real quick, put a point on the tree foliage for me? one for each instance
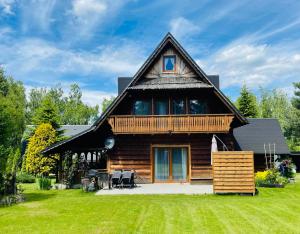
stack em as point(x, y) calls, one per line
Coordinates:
point(47, 112)
point(12, 118)
point(276, 104)
point(35, 162)
point(75, 111)
point(106, 103)
point(70, 109)
point(247, 103)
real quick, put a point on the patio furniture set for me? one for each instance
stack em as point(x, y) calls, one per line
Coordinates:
point(101, 179)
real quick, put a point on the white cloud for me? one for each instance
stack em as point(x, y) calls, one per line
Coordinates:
point(88, 15)
point(6, 6)
point(83, 8)
point(93, 98)
point(32, 58)
point(255, 64)
point(37, 14)
point(182, 27)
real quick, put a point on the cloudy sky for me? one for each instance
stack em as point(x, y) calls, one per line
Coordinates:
point(92, 42)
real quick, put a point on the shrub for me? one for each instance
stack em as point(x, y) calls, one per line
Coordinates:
point(269, 177)
point(44, 183)
point(24, 177)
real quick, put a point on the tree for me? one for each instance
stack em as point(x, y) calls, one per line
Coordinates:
point(70, 109)
point(75, 111)
point(276, 104)
point(247, 103)
point(35, 162)
point(106, 103)
point(12, 118)
point(36, 97)
point(294, 129)
point(47, 112)
point(296, 99)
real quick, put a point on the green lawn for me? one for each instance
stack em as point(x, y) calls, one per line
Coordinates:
point(72, 211)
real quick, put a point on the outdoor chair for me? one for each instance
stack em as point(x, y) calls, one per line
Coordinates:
point(128, 179)
point(85, 183)
point(116, 178)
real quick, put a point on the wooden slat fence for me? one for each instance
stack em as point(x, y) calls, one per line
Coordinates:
point(233, 172)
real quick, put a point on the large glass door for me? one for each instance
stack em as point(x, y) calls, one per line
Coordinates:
point(170, 164)
point(179, 164)
point(162, 165)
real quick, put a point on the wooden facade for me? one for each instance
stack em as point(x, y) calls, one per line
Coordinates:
point(164, 121)
point(233, 172)
point(134, 152)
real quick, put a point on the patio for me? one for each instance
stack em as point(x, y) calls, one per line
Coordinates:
point(157, 188)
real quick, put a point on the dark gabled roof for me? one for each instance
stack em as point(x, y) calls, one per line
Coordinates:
point(167, 39)
point(258, 132)
point(170, 83)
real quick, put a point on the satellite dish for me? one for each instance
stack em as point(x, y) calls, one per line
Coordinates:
point(109, 142)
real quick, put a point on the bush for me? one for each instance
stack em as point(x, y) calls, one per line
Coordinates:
point(24, 177)
point(44, 183)
point(269, 178)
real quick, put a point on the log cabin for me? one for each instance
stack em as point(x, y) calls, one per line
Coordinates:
point(162, 122)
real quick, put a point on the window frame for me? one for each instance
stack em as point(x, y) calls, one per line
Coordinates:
point(203, 101)
point(184, 106)
point(142, 100)
point(163, 64)
point(155, 101)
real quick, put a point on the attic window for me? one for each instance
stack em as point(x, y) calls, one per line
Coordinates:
point(169, 63)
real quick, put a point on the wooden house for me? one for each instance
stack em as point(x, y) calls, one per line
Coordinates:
point(162, 122)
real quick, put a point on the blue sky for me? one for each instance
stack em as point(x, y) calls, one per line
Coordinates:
point(92, 42)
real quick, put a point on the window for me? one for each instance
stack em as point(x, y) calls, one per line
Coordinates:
point(169, 63)
point(142, 107)
point(161, 107)
point(198, 107)
point(178, 107)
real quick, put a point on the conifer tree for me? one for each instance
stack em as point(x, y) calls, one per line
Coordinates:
point(247, 103)
point(35, 162)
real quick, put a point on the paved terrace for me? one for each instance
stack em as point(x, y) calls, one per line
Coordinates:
point(159, 189)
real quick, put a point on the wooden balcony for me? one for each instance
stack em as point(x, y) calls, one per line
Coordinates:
point(155, 124)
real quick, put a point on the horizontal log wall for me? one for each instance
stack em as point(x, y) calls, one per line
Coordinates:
point(233, 172)
point(133, 152)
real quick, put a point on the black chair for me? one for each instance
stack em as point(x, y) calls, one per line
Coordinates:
point(128, 179)
point(116, 178)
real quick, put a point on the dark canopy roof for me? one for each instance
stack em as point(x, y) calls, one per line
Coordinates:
point(258, 132)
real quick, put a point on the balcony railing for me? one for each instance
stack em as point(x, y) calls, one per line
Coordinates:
point(151, 124)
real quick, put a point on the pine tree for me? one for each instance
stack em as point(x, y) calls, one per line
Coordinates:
point(47, 113)
point(247, 103)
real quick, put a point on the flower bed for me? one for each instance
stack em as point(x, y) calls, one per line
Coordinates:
point(270, 178)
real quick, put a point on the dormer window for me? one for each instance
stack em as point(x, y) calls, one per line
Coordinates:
point(169, 63)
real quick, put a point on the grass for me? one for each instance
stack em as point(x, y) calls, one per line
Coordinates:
point(73, 211)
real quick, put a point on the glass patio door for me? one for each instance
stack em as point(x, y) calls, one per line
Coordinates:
point(170, 164)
